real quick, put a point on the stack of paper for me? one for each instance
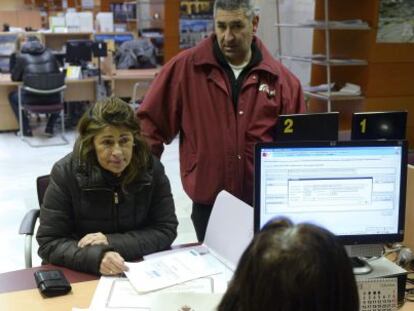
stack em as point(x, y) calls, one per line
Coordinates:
point(172, 269)
point(349, 89)
point(319, 88)
point(193, 278)
point(114, 294)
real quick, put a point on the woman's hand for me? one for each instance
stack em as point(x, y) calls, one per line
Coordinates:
point(97, 238)
point(112, 263)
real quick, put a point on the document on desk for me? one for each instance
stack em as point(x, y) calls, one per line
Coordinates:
point(229, 231)
point(161, 272)
point(73, 73)
point(114, 293)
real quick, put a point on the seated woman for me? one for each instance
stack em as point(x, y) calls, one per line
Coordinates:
point(292, 268)
point(107, 201)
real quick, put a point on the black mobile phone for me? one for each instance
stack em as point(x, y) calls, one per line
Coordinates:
point(52, 283)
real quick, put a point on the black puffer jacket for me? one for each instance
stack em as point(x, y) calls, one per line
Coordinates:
point(34, 58)
point(81, 200)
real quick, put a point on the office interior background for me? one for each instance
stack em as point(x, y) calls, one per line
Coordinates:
point(380, 68)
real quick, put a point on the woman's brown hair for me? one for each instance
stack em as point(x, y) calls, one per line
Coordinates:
point(111, 111)
point(292, 268)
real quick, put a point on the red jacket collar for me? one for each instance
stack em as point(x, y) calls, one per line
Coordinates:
point(203, 55)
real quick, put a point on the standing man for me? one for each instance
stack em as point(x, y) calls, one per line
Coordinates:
point(33, 58)
point(222, 96)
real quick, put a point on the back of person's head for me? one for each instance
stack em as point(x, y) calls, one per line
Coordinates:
point(292, 268)
point(232, 5)
point(111, 111)
point(29, 43)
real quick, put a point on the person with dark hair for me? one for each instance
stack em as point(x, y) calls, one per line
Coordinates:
point(290, 267)
point(108, 201)
point(6, 27)
point(222, 96)
point(34, 58)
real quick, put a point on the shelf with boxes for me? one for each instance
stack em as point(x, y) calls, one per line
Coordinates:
point(326, 57)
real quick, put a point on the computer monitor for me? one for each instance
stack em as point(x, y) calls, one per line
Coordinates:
point(78, 52)
point(311, 126)
point(355, 189)
point(379, 125)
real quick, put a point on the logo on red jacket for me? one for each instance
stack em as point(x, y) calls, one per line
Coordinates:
point(265, 88)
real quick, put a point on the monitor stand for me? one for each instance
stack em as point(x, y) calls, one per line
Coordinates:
point(360, 266)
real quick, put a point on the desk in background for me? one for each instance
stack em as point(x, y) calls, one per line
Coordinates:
point(7, 118)
point(123, 81)
point(77, 90)
point(121, 84)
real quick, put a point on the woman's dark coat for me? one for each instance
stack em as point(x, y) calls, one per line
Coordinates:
point(81, 200)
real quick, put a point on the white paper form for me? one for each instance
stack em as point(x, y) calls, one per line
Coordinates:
point(116, 294)
point(161, 272)
point(229, 229)
point(228, 233)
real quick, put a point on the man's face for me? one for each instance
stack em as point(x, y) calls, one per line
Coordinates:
point(234, 33)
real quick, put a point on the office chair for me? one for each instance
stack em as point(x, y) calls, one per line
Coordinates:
point(28, 223)
point(43, 84)
point(138, 92)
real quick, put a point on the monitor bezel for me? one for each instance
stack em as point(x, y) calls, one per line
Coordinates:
point(71, 50)
point(345, 239)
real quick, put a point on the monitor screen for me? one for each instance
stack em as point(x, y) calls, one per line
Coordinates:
point(78, 52)
point(355, 189)
point(310, 126)
point(379, 125)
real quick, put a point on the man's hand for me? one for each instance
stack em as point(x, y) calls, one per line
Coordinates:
point(97, 238)
point(112, 263)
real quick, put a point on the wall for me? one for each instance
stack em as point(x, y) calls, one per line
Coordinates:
point(16, 14)
point(390, 78)
point(11, 4)
point(293, 41)
point(21, 18)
